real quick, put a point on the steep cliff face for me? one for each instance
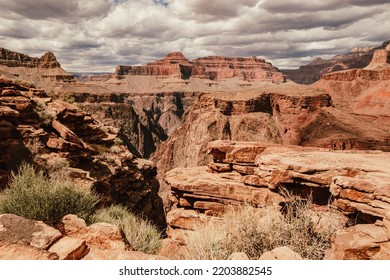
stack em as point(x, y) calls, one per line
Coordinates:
point(287, 114)
point(45, 69)
point(356, 58)
point(176, 73)
point(247, 69)
point(143, 120)
point(363, 92)
point(173, 64)
point(54, 134)
point(348, 191)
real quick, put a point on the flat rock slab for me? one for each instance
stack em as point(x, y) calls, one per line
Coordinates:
point(360, 242)
point(199, 182)
point(15, 251)
point(358, 180)
point(16, 229)
point(70, 248)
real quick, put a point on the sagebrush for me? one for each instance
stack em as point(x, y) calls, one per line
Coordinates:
point(256, 231)
point(33, 195)
point(141, 234)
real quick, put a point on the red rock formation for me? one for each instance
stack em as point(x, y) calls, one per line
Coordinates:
point(364, 92)
point(247, 69)
point(356, 58)
point(173, 64)
point(45, 131)
point(341, 185)
point(33, 69)
point(212, 68)
point(14, 59)
point(285, 114)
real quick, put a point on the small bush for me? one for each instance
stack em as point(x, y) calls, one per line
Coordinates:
point(44, 112)
point(32, 195)
point(141, 235)
point(255, 232)
point(116, 149)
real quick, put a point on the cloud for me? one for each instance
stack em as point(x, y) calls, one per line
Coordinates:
point(96, 35)
point(54, 9)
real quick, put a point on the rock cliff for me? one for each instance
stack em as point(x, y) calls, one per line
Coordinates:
point(363, 92)
point(356, 58)
point(45, 69)
point(287, 114)
point(342, 185)
point(52, 134)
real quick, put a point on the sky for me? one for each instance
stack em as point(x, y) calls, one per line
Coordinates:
point(97, 35)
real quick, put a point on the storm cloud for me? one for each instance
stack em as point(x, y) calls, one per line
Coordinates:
point(96, 35)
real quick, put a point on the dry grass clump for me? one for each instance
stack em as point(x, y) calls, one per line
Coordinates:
point(141, 234)
point(256, 231)
point(33, 195)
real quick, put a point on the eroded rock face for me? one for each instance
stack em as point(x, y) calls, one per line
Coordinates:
point(344, 187)
point(365, 92)
point(26, 67)
point(173, 64)
point(356, 58)
point(55, 134)
point(211, 68)
point(284, 114)
point(247, 69)
point(143, 120)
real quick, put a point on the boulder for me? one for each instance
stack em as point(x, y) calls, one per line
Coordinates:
point(281, 253)
point(70, 248)
point(16, 229)
point(360, 242)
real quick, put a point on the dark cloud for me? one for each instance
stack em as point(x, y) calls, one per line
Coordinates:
point(71, 10)
point(100, 34)
point(303, 6)
point(85, 45)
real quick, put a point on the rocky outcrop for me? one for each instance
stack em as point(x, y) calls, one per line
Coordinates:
point(173, 64)
point(24, 239)
point(365, 92)
point(247, 69)
point(211, 67)
point(143, 120)
point(342, 185)
point(54, 134)
point(14, 59)
point(285, 114)
point(356, 58)
point(32, 69)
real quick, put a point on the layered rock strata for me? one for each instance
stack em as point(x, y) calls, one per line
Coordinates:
point(55, 135)
point(211, 68)
point(352, 185)
point(33, 69)
point(356, 58)
point(284, 114)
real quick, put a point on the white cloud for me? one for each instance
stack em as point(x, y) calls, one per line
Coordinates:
point(96, 35)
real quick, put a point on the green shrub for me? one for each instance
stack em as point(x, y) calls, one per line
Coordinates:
point(256, 231)
point(141, 235)
point(32, 195)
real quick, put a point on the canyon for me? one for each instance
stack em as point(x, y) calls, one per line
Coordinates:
point(181, 141)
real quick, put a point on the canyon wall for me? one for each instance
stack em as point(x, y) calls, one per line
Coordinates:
point(53, 134)
point(356, 58)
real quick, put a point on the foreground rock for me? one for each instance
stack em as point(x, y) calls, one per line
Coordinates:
point(24, 239)
point(344, 187)
point(59, 137)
